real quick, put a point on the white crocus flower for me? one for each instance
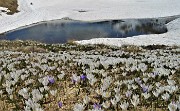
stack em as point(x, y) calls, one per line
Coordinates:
point(9, 90)
point(113, 102)
point(38, 109)
point(29, 81)
point(124, 105)
point(91, 79)
point(124, 73)
point(145, 79)
point(171, 82)
point(155, 93)
point(53, 92)
point(157, 84)
point(99, 91)
point(129, 86)
point(78, 107)
point(24, 76)
point(86, 99)
point(46, 95)
point(41, 89)
point(106, 94)
point(36, 95)
point(32, 104)
point(61, 76)
point(178, 106)
point(117, 90)
point(128, 93)
point(170, 77)
point(135, 100)
point(106, 104)
point(146, 95)
point(106, 82)
point(150, 87)
point(44, 80)
point(134, 86)
point(11, 97)
point(171, 89)
point(165, 96)
point(173, 71)
point(24, 92)
point(27, 108)
point(172, 106)
point(8, 84)
point(75, 78)
point(46, 88)
point(118, 97)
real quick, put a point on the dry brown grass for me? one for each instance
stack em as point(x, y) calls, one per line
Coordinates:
point(10, 4)
point(4, 106)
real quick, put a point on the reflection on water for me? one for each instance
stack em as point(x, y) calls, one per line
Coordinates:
point(61, 31)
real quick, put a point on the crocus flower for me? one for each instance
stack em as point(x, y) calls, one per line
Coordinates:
point(153, 75)
point(75, 78)
point(51, 80)
point(138, 80)
point(124, 105)
point(106, 104)
point(78, 107)
point(165, 96)
point(172, 106)
point(128, 93)
point(135, 100)
point(60, 104)
point(83, 77)
point(146, 95)
point(144, 88)
point(73, 81)
point(96, 106)
point(86, 100)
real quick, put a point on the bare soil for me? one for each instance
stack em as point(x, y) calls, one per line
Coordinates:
point(10, 4)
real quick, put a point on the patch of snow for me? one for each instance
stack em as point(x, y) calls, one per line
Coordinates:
point(3, 11)
point(172, 37)
point(3, 8)
point(34, 11)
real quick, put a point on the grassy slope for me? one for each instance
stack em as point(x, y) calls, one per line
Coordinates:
point(10, 4)
point(68, 93)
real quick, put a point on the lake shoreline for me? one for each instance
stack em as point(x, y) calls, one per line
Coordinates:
point(37, 11)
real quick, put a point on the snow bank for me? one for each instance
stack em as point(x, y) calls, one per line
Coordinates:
point(44, 10)
point(172, 37)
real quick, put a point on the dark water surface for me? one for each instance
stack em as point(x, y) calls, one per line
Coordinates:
point(61, 31)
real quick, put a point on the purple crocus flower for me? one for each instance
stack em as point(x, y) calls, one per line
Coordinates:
point(145, 89)
point(83, 77)
point(51, 80)
point(60, 104)
point(96, 106)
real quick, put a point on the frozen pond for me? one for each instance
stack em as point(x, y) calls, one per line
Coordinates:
point(61, 31)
